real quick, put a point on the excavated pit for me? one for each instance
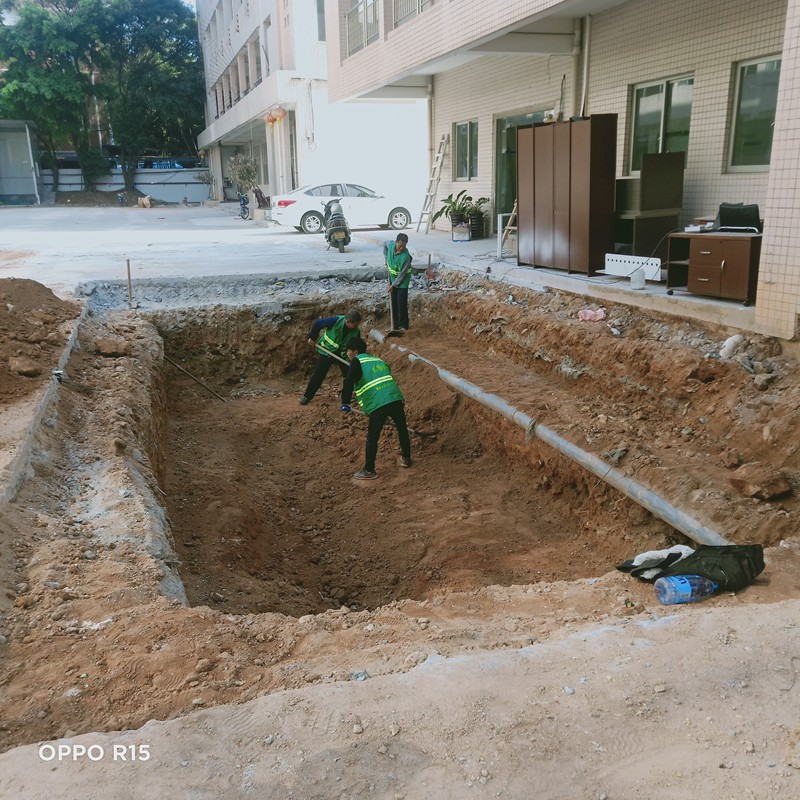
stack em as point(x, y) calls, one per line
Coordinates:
point(266, 516)
point(168, 551)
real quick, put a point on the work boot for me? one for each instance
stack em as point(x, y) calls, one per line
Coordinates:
point(365, 475)
point(304, 401)
point(405, 462)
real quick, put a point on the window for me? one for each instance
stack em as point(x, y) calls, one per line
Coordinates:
point(362, 25)
point(660, 118)
point(321, 20)
point(754, 115)
point(466, 150)
point(405, 10)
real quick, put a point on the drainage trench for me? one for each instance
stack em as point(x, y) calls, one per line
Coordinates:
point(266, 517)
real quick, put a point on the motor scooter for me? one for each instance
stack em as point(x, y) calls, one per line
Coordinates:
point(337, 231)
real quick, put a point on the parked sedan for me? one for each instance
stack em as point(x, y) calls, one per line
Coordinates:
point(303, 208)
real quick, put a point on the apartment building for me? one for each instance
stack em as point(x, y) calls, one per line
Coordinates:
point(716, 79)
point(265, 64)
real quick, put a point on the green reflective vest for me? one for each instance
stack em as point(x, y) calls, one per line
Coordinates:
point(395, 262)
point(335, 339)
point(377, 387)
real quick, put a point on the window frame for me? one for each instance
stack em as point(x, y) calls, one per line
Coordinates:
point(665, 83)
point(470, 157)
point(734, 122)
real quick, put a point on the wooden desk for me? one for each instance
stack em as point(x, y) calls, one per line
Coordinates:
point(715, 264)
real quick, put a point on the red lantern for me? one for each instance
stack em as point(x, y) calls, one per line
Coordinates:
point(279, 113)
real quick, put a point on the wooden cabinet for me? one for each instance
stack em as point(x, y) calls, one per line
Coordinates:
point(525, 176)
point(715, 264)
point(565, 193)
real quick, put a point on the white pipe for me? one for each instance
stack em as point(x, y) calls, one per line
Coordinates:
point(656, 505)
point(587, 38)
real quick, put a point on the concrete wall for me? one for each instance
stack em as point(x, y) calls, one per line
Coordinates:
point(168, 185)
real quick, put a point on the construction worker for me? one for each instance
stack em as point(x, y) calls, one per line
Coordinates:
point(336, 334)
point(380, 398)
point(398, 262)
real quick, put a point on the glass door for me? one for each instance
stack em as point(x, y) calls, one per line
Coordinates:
point(506, 158)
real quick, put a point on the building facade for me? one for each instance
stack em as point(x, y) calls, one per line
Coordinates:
point(265, 64)
point(712, 78)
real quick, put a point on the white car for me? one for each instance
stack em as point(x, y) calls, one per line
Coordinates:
point(303, 208)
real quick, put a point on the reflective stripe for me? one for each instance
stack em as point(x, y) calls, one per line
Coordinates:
point(374, 383)
point(376, 387)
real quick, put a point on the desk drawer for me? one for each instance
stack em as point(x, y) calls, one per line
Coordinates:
point(706, 250)
point(704, 278)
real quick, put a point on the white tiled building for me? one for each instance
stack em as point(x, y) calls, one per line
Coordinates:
point(265, 68)
point(719, 79)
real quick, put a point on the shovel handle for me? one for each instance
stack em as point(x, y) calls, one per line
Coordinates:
point(333, 355)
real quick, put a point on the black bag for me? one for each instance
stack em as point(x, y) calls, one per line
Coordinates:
point(732, 567)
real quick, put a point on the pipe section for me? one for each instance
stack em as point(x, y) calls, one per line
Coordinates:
point(655, 504)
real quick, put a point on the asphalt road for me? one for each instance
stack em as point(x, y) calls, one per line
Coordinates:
point(62, 247)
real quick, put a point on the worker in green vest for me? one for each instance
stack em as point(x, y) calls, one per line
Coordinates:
point(332, 334)
point(398, 262)
point(380, 398)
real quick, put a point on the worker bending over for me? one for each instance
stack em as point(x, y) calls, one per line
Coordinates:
point(380, 398)
point(336, 333)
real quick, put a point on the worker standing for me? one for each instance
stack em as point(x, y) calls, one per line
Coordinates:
point(398, 262)
point(380, 398)
point(336, 333)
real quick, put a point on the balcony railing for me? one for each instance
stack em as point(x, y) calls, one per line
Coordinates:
point(362, 25)
point(405, 10)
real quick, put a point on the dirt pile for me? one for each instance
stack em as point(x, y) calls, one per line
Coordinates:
point(32, 335)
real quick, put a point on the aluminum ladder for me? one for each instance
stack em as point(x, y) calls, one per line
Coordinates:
point(433, 184)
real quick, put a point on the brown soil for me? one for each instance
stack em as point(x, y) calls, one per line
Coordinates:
point(488, 542)
point(32, 335)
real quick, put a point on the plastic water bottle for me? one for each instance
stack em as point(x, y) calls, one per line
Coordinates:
point(683, 589)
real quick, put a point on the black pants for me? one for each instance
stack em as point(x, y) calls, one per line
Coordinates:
point(324, 363)
point(399, 300)
point(377, 419)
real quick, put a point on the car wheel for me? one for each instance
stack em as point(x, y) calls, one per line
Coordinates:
point(312, 222)
point(399, 219)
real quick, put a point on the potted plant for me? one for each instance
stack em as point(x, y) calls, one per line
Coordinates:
point(454, 207)
point(475, 214)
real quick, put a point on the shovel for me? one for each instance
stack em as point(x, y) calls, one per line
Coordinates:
point(393, 331)
point(333, 355)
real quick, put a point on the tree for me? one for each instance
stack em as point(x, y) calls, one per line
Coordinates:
point(154, 79)
point(138, 59)
point(49, 54)
point(244, 171)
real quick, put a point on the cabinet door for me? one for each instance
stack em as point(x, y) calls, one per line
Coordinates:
point(561, 194)
point(593, 147)
point(735, 268)
point(543, 195)
point(525, 212)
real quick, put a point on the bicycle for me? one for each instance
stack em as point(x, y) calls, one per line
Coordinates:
point(244, 208)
